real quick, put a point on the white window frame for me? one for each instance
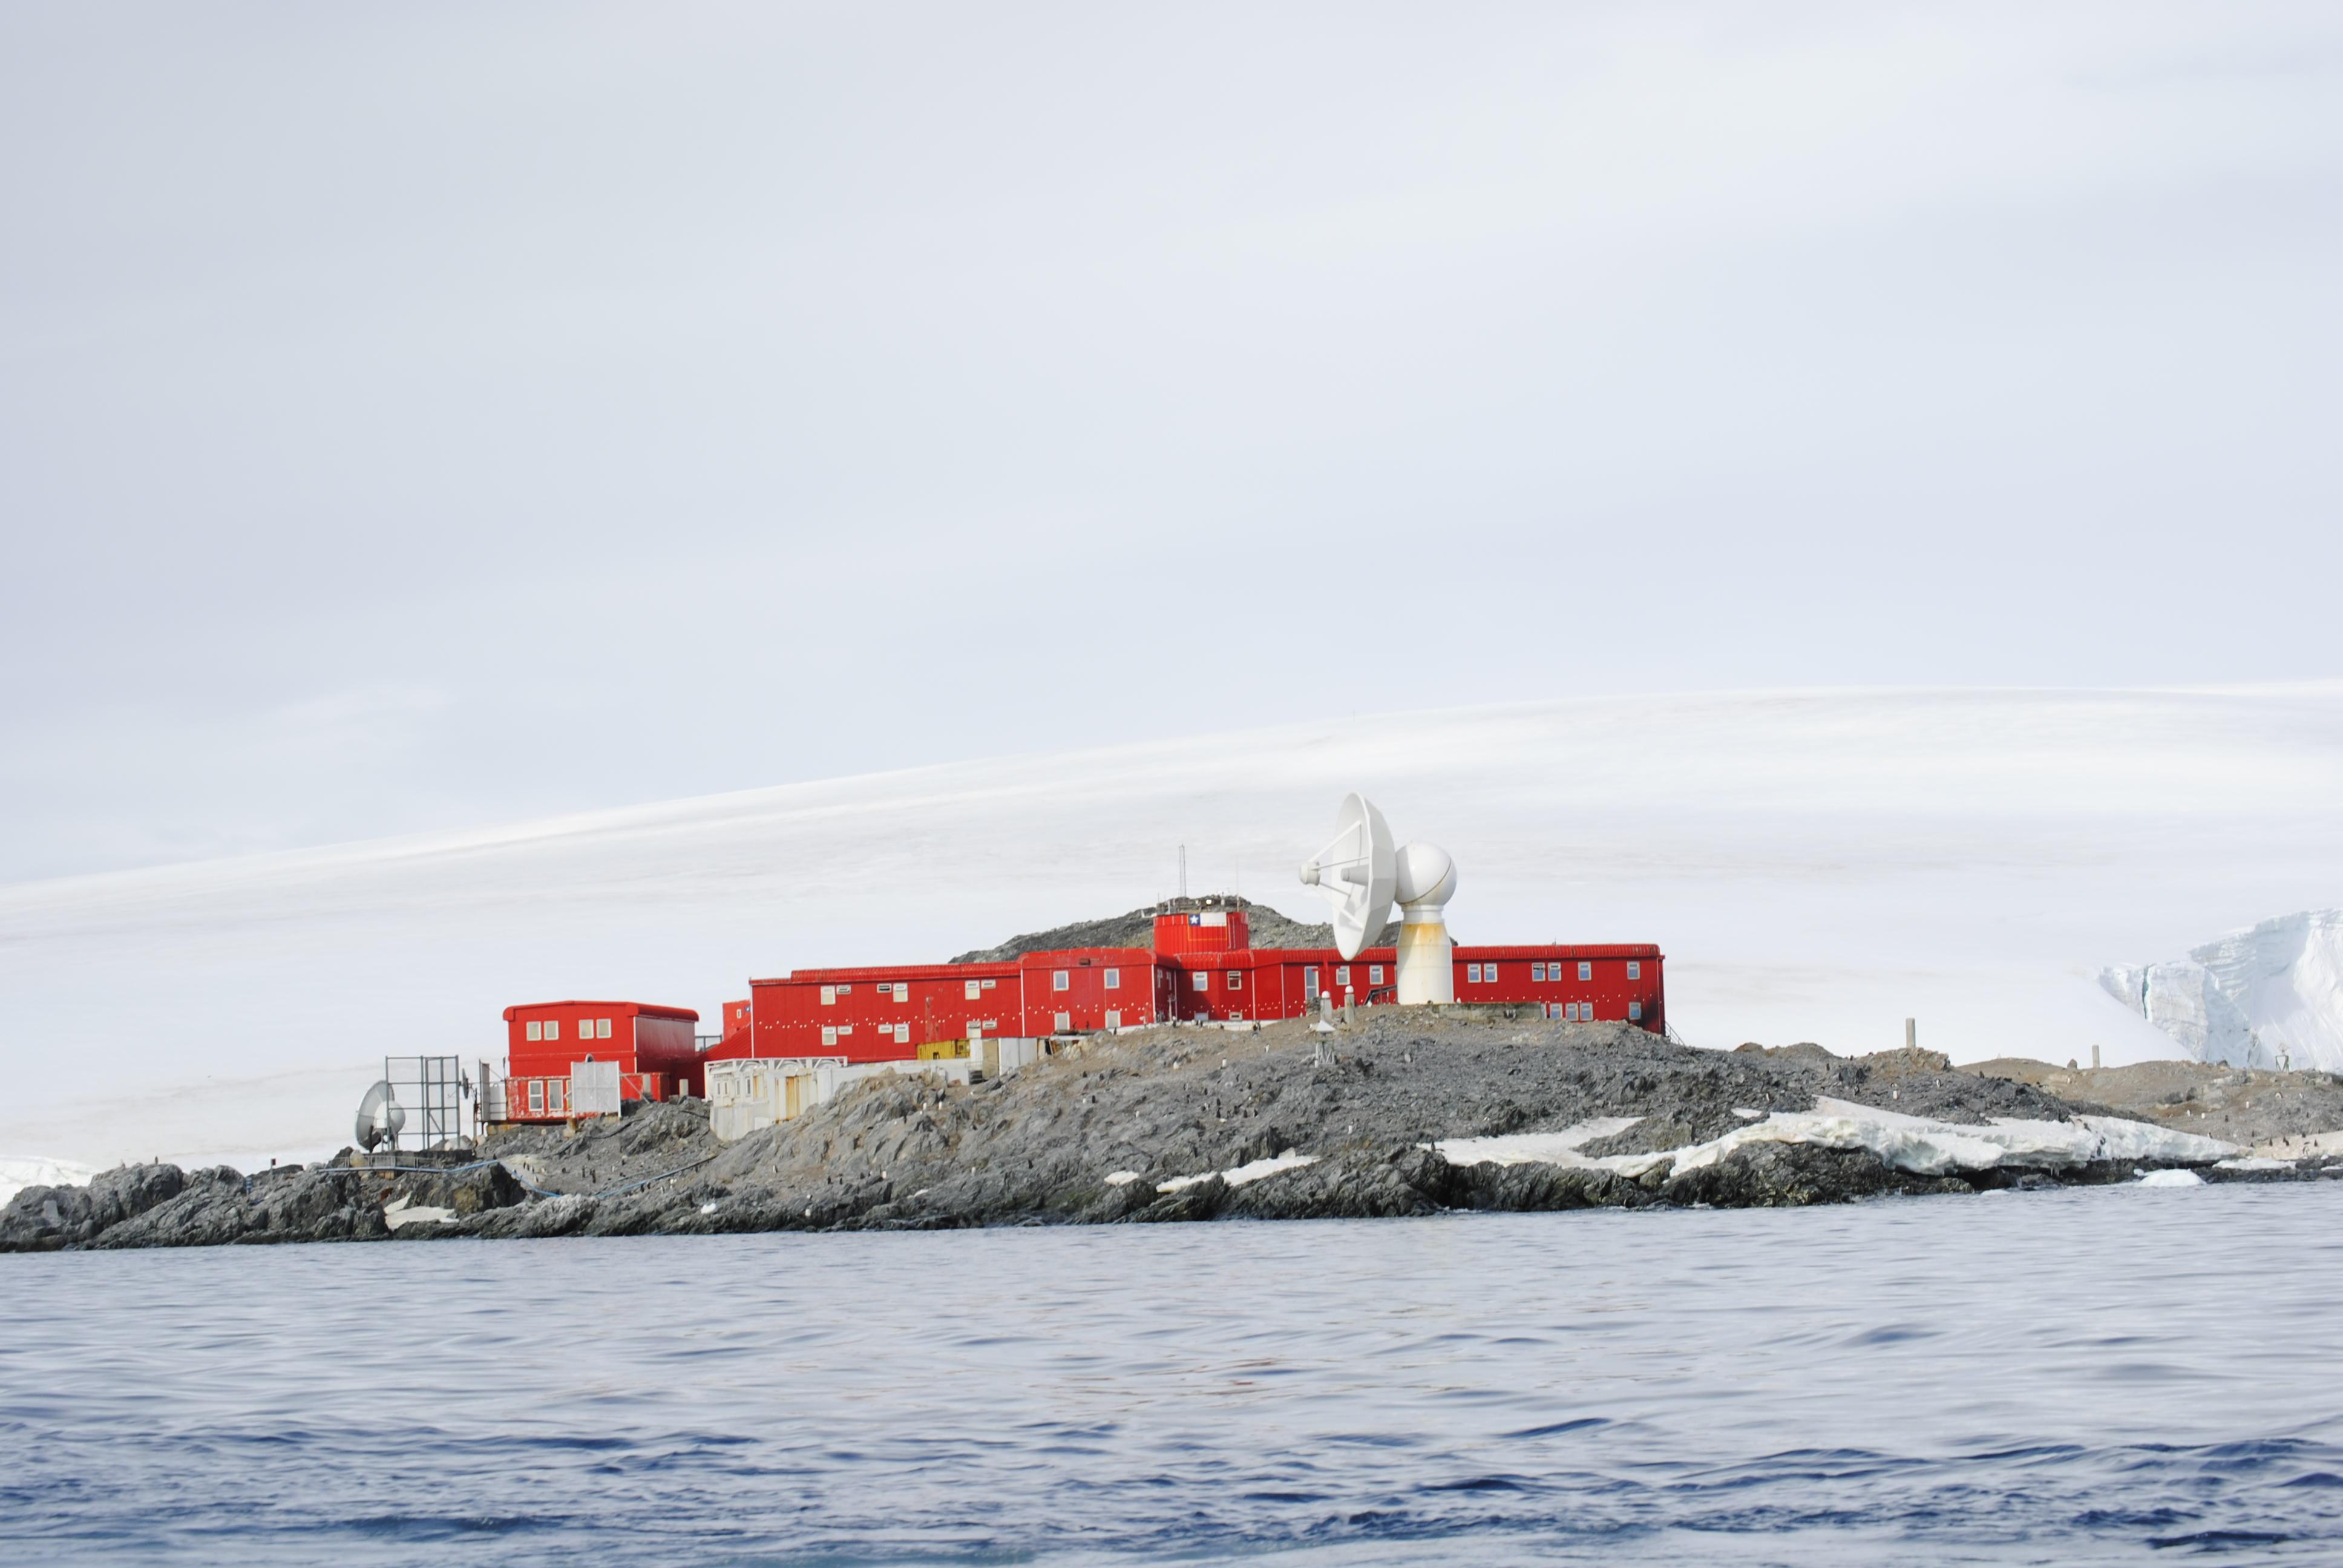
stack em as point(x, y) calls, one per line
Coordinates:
point(553, 1028)
point(829, 1034)
point(1113, 981)
point(602, 1028)
point(829, 996)
point(1472, 974)
point(536, 1028)
point(1488, 974)
point(1635, 969)
point(1203, 979)
point(1236, 979)
point(1310, 983)
point(903, 991)
point(1585, 969)
point(902, 1034)
point(1634, 1013)
point(1341, 975)
point(1537, 973)
point(990, 984)
point(536, 1097)
point(1061, 980)
point(1065, 1023)
point(1375, 974)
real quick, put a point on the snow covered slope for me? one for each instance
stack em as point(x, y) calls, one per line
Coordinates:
point(2267, 996)
point(1817, 866)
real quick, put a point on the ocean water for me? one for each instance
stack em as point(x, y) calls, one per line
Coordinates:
point(2120, 1375)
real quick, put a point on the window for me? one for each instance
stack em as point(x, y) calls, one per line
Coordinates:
point(1309, 984)
point(602, 1028)
point(1341, 974)
point(556, 1095)
point(1634, 1013)
point(1634, 970)
point(537, 1031)
point(846, 1029)
point(1472, 974)
point(1488, 974)
point(829, 996)
point(1114, 1021)
point(1065, 1023)
point(830, 1037)
point(536, 1097)
point(553, 1028)
point(1113, 979)
point(902, 991)
point(1537, 973)
point(990, 984)
point(1585, 969)
point(1203, 979)
point(1375, 974)
point(902, 1034)
point(1236, 979)
point(969, 989)
point(1060, 981)
point(846, 991)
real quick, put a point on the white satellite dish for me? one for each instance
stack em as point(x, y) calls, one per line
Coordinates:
point(1356, 870)
point(380, 1118)
point(1363, 874)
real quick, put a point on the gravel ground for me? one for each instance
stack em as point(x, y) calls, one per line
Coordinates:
point(2249, 1107)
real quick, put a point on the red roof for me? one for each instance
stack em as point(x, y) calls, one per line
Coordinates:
point(633, 1008)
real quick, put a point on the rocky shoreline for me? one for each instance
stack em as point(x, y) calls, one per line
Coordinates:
point(1413, 1114)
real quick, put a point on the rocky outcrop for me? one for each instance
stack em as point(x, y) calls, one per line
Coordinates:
point(45, 1218)
point(1415, 1113)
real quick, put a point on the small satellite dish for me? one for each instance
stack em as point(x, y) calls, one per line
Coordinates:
point(380, 1118)
point(1357, 870)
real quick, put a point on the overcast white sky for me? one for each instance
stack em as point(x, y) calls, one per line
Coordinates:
point(422, 415)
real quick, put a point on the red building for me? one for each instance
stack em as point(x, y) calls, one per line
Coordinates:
point(1201, 968)
point(653, 1047)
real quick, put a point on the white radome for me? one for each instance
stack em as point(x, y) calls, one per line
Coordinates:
point(1426, 875)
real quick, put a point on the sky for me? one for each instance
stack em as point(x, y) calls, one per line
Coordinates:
point(414, 417)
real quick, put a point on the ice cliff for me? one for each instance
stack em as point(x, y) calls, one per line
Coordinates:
point(2271, 996)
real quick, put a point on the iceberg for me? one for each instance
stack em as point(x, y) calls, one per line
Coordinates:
point(2268, 996)
point(18, 1172)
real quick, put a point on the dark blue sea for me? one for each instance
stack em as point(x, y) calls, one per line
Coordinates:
point(2120, 1375)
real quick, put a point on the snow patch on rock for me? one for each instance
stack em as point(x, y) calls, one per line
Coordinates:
point(1909, 1143)
point(407, 1211)
point(1240, 1175)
